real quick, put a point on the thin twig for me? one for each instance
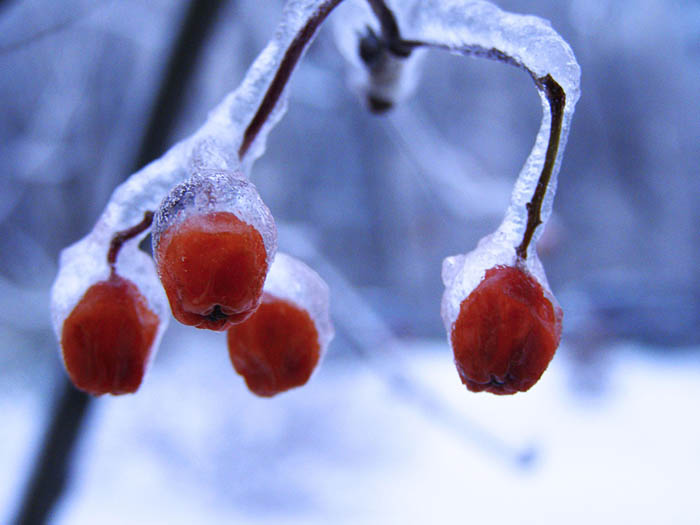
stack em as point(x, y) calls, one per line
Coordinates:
point(390, 28)
point(286, 67)
point(119, 238)
point(557, 100)
point(48, 478)
point(50, 474)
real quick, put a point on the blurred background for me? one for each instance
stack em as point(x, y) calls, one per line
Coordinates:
point(90, 90)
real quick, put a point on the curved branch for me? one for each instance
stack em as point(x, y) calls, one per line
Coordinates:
point(557, 100)
point(291, 57)
point(551, 89)
point(119, 238)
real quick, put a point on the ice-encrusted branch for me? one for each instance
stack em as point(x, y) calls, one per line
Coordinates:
point(557, 101)
point(479, 28)
point(284, 71)
point(240, 123)
point(235, 132)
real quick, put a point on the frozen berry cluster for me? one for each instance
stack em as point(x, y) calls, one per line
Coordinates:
point(214, 246)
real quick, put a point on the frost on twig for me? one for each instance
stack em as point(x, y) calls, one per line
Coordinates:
point(215, 145)
point(235, 132)
point(477, 28)
point(503, 332)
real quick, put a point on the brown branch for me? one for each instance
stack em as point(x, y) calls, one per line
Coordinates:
point(390, 28)
point(119, 238)
point(557, 100)
point(289, 62)
point(50, 475)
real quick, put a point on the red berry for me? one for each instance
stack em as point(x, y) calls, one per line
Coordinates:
point(107, 338)
point(213, 267)
point(506, 333)
point(276, 349)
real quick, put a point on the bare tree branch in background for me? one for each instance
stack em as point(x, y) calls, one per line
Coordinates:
point(48, 479)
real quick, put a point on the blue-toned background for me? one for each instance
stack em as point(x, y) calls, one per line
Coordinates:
point(384, 433)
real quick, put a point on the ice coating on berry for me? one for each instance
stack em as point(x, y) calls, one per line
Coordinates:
point(213, 267)
point(209, 191)
point(462, 273)
point(213, 242)
point(506, 332)
point(108, 337)
point(84, 264)
point(292, 280)
point(276, 349)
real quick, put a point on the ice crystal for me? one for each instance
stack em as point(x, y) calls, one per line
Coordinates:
point(294, 281)
point(209, 191)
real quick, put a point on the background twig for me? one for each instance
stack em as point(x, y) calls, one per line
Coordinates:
point(50, 472)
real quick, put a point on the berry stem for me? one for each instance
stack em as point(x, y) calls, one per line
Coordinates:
point(291, 57)
point(119, 238)
point(390, 28)
point(557, 100)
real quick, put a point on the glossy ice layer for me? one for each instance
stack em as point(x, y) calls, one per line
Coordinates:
point(84, 264)
point(276, 349)
point(479, 28)
point(294, 281)
point(462, 273)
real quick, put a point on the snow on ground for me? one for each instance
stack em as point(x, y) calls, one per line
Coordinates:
point(194, 447)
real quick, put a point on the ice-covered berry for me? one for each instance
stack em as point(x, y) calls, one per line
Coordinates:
point(108, 337)
point(213, 268)
point(506, 332)
point(276, 349)
point(214, 240)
